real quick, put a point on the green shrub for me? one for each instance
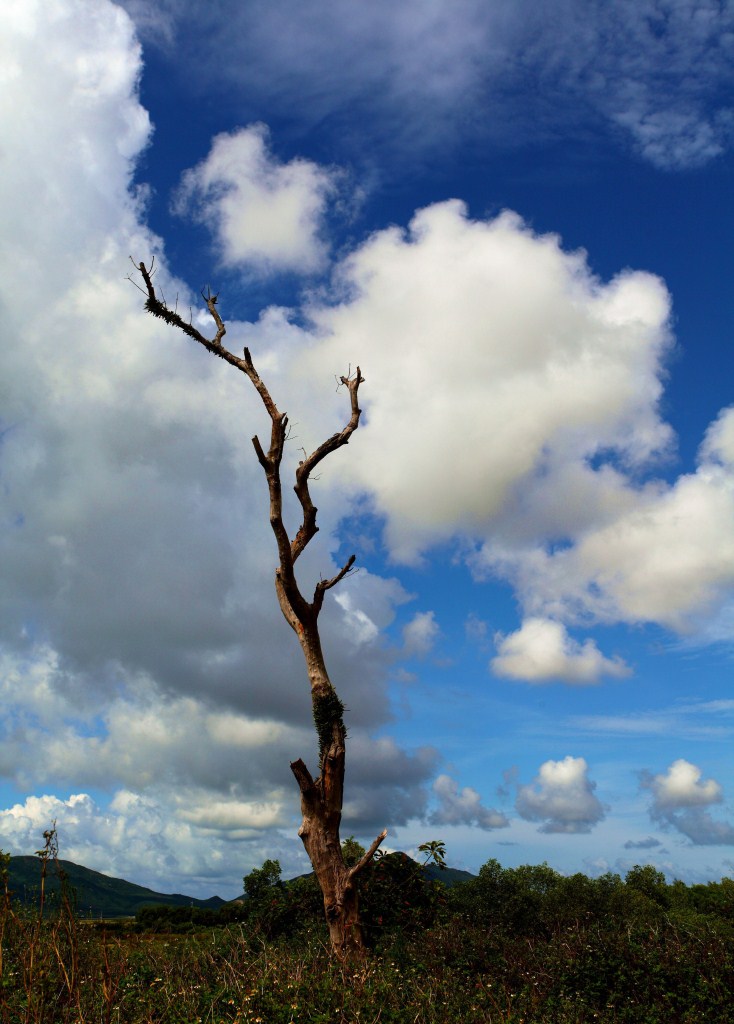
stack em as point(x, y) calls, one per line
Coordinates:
point(601, 951)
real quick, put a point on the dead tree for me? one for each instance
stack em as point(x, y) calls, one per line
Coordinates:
point(322, 797)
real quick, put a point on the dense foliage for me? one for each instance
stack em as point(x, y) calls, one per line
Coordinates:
point(521, 946)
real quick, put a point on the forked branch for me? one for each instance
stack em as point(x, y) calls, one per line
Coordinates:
point(288, 550)
point(308, 528)
point(323, 585)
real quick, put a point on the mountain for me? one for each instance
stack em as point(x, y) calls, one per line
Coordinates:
point(98, 895)
point(449, 876)
point(95, 894)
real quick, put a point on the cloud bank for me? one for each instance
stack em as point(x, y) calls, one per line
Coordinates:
point(144, 659)
point(540, 387)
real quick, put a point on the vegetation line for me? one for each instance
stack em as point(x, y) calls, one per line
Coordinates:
point(513, 945)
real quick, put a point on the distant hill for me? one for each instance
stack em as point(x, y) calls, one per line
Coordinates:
point(95, 894)
point(98, 895)
point(449, 876)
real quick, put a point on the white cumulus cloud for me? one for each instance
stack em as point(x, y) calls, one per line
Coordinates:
point(463, 806)
point(679, 800)
point(263, 213)
point(541, 650)
point(667, 558)
point(562, 797)
point(142, 650)
point(167, 844)
point(523, 394)
point(718, 444)
point(681, 786)
point(420, 634)
point(498, 366)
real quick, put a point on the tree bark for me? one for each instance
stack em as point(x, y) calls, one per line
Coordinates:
point(321, 806)
point(321, 798)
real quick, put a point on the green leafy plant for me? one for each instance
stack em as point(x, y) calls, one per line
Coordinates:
point(599, 951)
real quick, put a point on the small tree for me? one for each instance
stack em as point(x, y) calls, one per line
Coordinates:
point(322, 797)
point(262, 881)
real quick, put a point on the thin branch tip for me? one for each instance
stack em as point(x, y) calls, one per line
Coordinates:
point(369, 854)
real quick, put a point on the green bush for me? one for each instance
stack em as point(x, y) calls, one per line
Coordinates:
point(395, 894)
point(597, 951)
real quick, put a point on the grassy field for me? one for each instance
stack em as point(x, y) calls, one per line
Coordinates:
point(522, 946)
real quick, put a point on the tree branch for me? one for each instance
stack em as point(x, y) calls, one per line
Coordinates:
point(364, 861)
point(288, 551)
point(308, 528)
point(303, 776)
point(158, 308)
point(323, 585)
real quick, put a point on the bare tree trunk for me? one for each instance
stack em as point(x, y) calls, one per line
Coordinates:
point(321, 806)
point(321, 798)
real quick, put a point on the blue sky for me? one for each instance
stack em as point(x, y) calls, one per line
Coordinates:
point(517, 219)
